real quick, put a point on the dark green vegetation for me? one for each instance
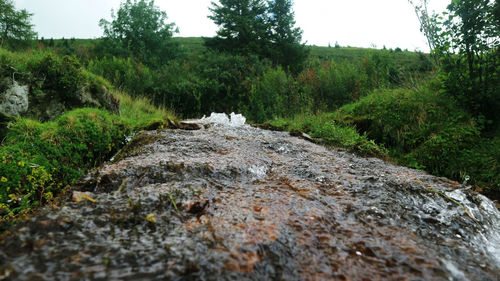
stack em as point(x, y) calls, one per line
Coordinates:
point(15, 26)
point(39, 157)
point(435, 112)
point(262, 28)
point(139, 29)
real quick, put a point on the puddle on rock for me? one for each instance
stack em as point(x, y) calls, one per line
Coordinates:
point(240, 203)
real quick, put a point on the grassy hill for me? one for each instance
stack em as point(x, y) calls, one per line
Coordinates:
point(192, 47)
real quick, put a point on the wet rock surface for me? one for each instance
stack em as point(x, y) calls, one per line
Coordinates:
point(240, 203)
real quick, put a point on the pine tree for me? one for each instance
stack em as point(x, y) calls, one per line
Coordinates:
point(243, 26)
point(255, 27)
point(286, 38)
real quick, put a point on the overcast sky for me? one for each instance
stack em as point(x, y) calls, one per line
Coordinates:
point(359, 23)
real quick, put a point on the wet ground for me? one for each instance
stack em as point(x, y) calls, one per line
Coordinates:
point(239, 203)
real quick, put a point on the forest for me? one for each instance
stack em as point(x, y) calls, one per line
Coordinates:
point(435, 111)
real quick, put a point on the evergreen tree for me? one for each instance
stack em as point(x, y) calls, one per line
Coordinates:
point(243, 27)
point(255, 27)
point(286, 38)
point(15, 26)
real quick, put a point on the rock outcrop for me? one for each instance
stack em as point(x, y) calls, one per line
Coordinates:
point(14, 100)
point(239, 203)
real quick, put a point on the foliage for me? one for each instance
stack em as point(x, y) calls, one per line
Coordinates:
point(427, 22)
point(178, 86)
point(275, 94)
point(286, 49)
point(124, 74)
point(404, 118)
point(15, 26)
point(423, 128)
point(139, 29)
point(324, 129)
point(254, 27)
point(472, 75)
point(466, 40)
point(243, 27)
point(55, 80)
point(39, 159)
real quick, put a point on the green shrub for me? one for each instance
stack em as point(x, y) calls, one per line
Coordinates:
point(440, 152)
point(403, 118)
point(427, 130)
point(179, 88)
point(275, 94)
point(62, 76)
point(125, 74)
point(39, 159)
point(56, 84)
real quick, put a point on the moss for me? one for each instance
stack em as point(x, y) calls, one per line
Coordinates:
point(134, 146)
point(38, 159)
point(268, 126)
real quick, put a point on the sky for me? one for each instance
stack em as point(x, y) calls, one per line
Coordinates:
point(356, 23)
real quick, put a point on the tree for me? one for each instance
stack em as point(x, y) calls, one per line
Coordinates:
point(466, 41)
point(255, 27)
point(243, 27)
point(139, 29)
point(286, 38)
point(496, 13)
point(15, 26)
point(427, 22)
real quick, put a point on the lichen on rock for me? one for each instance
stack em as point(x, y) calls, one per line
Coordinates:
point(14, 101)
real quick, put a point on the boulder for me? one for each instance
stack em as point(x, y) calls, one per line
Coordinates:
point(47, 106)
point(14, 101)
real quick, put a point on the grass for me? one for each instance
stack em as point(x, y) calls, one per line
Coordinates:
point(140, 112)
point(323, 128)
point(425, 129)
point(194, 46)
point(39, 159)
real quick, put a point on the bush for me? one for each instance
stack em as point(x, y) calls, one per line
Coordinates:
point(427, 130)
point(179, 87)
point(275, 94)
point(39, 159)
point(125, 74)
point(404, 118)
point(56, 84)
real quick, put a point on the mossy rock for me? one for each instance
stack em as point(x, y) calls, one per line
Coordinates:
point(268, 126)
point(135, 145)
